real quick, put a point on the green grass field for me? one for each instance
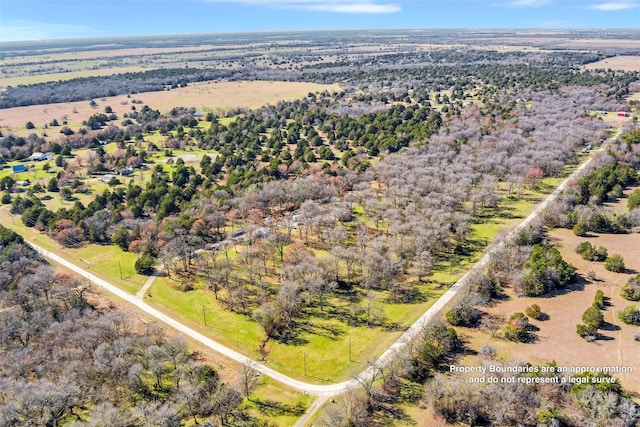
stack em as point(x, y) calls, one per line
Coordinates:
point(279, 405)
point(107, 262)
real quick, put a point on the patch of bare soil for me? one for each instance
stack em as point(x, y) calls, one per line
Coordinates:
point(556, 337)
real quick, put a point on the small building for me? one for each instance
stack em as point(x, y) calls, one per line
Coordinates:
point(18, 168)
point(126, 171)
point(106, 178)
point(37, 156)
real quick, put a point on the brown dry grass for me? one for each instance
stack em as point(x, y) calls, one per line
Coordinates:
point(53, 55)
point(52, 77)
point(625, 63)
point(599, 43)
point(556, 338)
point(206, 96)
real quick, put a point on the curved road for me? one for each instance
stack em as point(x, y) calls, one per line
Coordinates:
point(323, 392)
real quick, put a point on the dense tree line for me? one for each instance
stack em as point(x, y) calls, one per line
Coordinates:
point(86, 88)
point(439, 69)
point(582, 208)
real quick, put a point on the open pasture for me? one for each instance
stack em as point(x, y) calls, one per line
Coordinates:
point(623, 62)
point(207, 96)
point(556, 337)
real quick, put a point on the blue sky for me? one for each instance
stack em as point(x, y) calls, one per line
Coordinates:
point(47, 19)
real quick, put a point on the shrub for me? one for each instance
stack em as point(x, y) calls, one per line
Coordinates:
point(593, 316)
point(598, 301)
point(634, 200)
point(630, 315)
point(587, 332)
point(600, 254)
point(517, 328)
point(592, 319)
point(631, 289)
point(546, 271)
point(463, 313)
point(615, 263)
point(591, 253)
point(580, 229)
point(488, 351)
point(534, 312)
point(585, 249)
point(145, 264)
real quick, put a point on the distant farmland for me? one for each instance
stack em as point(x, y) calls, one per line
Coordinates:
point(625, 63)
point(207, 96)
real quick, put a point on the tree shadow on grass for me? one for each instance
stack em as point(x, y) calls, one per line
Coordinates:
point(275, 408)
point(291, 336)
point(408, 295)
point(394, 326)
point(327, 331)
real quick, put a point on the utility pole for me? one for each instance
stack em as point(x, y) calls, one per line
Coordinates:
point(120, 268)
point(305, 364)
point(204, 315)
point(350, 359)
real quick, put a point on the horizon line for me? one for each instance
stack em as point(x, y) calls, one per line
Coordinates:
point(343, 30)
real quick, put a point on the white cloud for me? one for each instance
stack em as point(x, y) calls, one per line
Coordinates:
point(354, 7)
point(528, 3)
point(613, 6)
point(338, 6)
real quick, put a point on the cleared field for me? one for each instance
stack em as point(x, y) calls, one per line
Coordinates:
point(625, 63)
point(556, 338)
point(41, 78)
point(206, 96)
point(212, 96)
point(54, 55)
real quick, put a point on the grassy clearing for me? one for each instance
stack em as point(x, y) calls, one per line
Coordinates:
point(322, 340)
point(234, 330)
point(282, 406)
point(107, 262)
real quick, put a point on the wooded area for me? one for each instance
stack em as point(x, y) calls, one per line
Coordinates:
point(313, 218)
